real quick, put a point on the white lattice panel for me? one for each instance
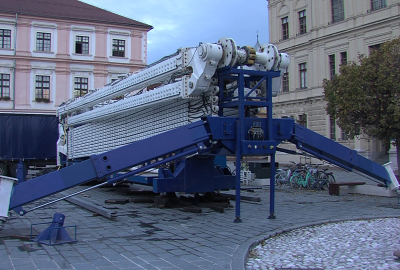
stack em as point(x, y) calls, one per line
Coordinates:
point(149, 98)
point(104, 135)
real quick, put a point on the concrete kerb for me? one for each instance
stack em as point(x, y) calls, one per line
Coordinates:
point(241, 253)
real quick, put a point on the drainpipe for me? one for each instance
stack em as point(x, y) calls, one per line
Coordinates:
point(15, 60)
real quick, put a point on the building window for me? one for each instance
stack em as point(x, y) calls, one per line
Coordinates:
point(82, 45)
point(337, 11)
point(345, 137)
point(343, 58)
point(285, 81)
point(118, 48)
point(285, 28)
point(5, 86)
point(81, 87)
point(43, 42)
point(5, 38)
point(302, 120)
point(378, 4)
point(303, 75)
point(374, 47)
point(42, 88)
point(333, 128)
point(302, 21)
point(332, 66)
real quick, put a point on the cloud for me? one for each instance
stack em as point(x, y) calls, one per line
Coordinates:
point(185, 23)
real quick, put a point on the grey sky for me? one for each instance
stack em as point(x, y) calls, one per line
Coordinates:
point(185, 23)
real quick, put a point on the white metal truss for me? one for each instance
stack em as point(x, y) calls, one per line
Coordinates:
point(175, 91)
point(110, 133)
point(113, 132)
point(149, 98)
point(152, 75)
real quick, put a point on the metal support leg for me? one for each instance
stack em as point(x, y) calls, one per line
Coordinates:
point(56, 233)
point(21, 172)
point(272, 189)
point(239, 139)
point(238, 164)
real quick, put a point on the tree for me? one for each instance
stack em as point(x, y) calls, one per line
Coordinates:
point(365, 96)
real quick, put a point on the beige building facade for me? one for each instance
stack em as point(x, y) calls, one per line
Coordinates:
point(319, 36)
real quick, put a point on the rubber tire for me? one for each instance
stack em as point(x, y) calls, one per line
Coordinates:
point(294, 181)
point(331, 178)
point(311, 181)
point(3, 169)
point(280, 178)
point(323, 177)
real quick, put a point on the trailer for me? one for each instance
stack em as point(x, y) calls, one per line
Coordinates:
point(30, 138)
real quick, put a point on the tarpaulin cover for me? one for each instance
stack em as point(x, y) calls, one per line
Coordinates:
point(28, 136)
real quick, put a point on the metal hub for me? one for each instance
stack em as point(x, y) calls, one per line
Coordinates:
point(229, 56)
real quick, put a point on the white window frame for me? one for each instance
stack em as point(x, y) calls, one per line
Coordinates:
point(75, 42)
point(87, 84)
point(47, 28)
point(42, 95)
point(121, 35)
point(8, 97)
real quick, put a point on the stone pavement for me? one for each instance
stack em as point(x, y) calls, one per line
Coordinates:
point(144, 237)
point(356, 245)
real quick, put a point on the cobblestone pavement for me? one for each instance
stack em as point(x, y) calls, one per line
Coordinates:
point(365, 244)
point(144, 237)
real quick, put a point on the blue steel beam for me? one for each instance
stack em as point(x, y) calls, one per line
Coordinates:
point(51, 183)
point(150, 149)
point(146, 152)
point(333, 152)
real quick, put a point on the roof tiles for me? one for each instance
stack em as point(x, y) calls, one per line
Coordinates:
point(67, 9)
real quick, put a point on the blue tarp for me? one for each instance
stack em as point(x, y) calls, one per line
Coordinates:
point(28, 136)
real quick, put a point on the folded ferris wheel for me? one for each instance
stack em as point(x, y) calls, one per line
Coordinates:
point(175, 91)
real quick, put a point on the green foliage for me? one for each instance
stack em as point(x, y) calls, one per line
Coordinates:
point(365, 97)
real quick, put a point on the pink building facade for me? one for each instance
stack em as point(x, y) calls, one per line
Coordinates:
point(48, 58)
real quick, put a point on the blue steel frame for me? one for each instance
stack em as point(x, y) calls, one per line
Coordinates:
point(244, 78)
point(277, 130)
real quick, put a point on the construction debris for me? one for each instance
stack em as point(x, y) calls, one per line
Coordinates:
point(191, 210)
point(217, 209)
point(243, 198)
point(142, 200)
point(92, 207)
point(117, 201)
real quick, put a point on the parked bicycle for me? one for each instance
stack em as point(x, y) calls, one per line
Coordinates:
point(318, 180)
point(306, 176)
point(311, 177)
point(327, 177)
point(302, 177)
point(282, 176)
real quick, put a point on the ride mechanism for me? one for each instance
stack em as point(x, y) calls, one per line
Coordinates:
point(185, 110)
